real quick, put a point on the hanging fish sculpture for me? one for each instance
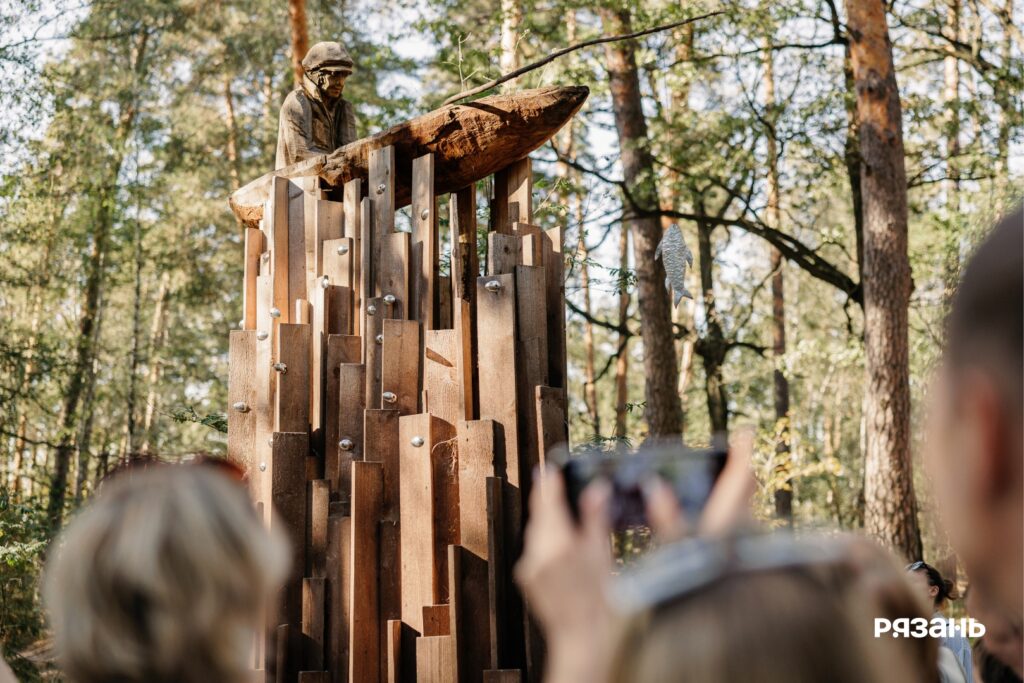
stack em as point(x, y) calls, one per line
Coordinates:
point(676, 257)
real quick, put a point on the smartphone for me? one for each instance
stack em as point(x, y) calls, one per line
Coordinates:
point(690, 473)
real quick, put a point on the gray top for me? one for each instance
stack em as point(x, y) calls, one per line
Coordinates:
point(308, 128)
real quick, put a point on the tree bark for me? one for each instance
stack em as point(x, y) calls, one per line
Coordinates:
point(508, 60)
point(663, 409)
point(890, 511)
point(300, 37)
point(711, 347)
point(783, 494)
point(951, 95)
point(157, 336)
point(622, 360)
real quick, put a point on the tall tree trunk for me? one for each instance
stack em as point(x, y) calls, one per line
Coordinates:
point(712, 347)
point(157, 336)
point(83, 441)
point(851, 158)
point(951, 95)
point(128, 442)
point(511, 20)
point(1004, 96)
point(890, 506)
point(783, 493)
point(622, 360)
point(300, 36)
point(234, 172)
point(663, 410)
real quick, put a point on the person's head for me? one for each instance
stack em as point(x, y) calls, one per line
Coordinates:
point(794, 623)
point(328, 65)
point(975, 449)
point(1002, 638)
point(930, 583)
point(161, 578)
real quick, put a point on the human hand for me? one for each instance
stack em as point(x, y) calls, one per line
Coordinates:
point(564, 572)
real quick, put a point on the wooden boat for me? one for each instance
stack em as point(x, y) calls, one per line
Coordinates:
point(469, 141)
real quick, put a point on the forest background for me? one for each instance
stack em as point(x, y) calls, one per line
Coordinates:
point(125, 125)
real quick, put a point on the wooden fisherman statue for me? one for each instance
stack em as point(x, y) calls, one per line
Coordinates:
point(315, 118)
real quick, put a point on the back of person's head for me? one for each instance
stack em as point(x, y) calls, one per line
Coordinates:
point(941, 589)
point(793, 624)
point(989, 668)
point(975, 446)
point(162, 578)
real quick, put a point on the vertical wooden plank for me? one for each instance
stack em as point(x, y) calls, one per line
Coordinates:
point(353, 230)
point(313, 623)
point(519, 176)
point(532, 365)
point(394, 273)
point(440, 375)
point(296, 240)
point(284, 665)
point(499, 203)
point(292, 369)
point(314, 677)
point(366, 263)
point(300, 314)
point(338, 258)
point(373, 346)
point(380, 434)
point(319, 502)
point(242, 387)
point(337, 310)
point(424, 247)
point(469, 610)
point(329, 220)
point(253, 249)
point(496, 576)
point(400, 366)
point(554, 273)
point(504, 253)
point(341, 348)
point(436, 620)
point(503, 676)
point(339, 549)
point(338, 471)
point(477, 449)
point(401, 653)
point(288, 515)
point(444, 302)
point(552, 430)
point(417, 510)
point(435, 659)
point(278, 230)
point(496, 324)
point(532, 244)
point(382, 195)
point(364, 636)
point(264, 381)
point(465, 270)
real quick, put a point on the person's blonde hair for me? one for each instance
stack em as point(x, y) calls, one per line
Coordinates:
point(788, 625)
point(162, 577)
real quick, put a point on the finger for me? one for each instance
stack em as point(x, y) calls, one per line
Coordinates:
point(728, 507)
point(663, 512)
point(594, 505)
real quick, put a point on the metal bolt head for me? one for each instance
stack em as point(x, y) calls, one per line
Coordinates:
point(492, 286)
point(390, 299)
point(380, 338)
point(381, 188)
point(241, 407)
point(371, 310)
point(265, 256)
point(263, 467)
point(281, 367)
point(389, 397)
point(416, 441)
point(342, 249)
point(346, 444)
point(241, 324)
point(261, 335)
point(424, 214)
point(275, 312)
point(325, 282)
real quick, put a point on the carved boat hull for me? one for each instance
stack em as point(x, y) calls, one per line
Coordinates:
point(469, 141)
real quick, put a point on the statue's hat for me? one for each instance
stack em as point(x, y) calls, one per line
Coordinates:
point(327, 56)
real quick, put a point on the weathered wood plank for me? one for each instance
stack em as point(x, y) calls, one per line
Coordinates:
point(242, 400)
point(316, 538)
point(469, 611)
point(503, 676)
point(552, 430)
point(338, 308)
point(435, 659)
point(314, 677)
point(496, 324)
point(293, 378)
point(250, 269)
point(477, 451)
point(339, 550)
point(532, 246)
point(353, 230)
point(394, 274)
point(424, 244)
point(366, 267)
point(364, 636)
point(338, 471)
point(288, 515)
point(265, 385)
point(400, 366)
point(341, 348)
point(373, 346)
point(382, 194)
point(465, 270)
point(519, 176)
point(284, 665)
point(444, 302)
point(440, 375)
point(532, 365)
point(401, 653)
point(417, 508)
point(278, 230)
point(436, 620)
point(497, 582)
point(504, 253)
point(554, 272)
point(313, 623)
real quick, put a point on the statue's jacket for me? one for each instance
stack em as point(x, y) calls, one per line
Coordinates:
point(307, 128)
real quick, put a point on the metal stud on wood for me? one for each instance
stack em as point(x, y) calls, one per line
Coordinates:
point(280, 367)
point(346, 444)
point(275, 312)
point(493, 286)
point(241, 407)
point(389, 397)
point(262, 335)
point(416, 441)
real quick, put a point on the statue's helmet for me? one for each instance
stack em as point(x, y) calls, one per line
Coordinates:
point(327, 57)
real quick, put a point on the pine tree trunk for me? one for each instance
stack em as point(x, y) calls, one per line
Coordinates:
point(951, 95)
point(783, 493)
point(663, 409)
point(622, 360)
point(890, 511)
point(511, 20)
point(157, 336)
point(300, 37)
point(711, 347)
